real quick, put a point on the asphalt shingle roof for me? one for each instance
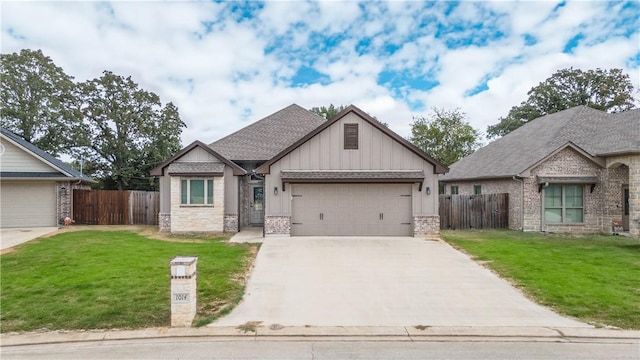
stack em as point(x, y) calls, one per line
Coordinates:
point(594, 131)
point(417, 175)
point(267, 137)
point(71, 172)
point(182, 168)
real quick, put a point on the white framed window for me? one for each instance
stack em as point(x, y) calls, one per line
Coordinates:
point(564, 203)
point(196, 191)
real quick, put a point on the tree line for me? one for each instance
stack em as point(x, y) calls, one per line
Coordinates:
point(448, 137)
point(113, 130)
point(117, 132)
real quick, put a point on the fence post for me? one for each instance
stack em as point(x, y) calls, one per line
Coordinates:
point(183, 290)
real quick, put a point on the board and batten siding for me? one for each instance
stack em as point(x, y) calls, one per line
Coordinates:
point(376, 151)
point(230, 192)
point(164, 186)
point(18, 160)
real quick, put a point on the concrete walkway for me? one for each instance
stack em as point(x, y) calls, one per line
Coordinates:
point(248, 235)
point(10, 237)
point(384, 281)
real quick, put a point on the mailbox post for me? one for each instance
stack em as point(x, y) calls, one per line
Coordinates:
point(183, 290)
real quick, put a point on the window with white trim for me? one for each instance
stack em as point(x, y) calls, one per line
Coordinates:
point(564, 203)
point(196, 192)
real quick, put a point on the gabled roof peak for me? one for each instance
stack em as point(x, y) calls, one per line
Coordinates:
point(45, 156)
point(593, 131)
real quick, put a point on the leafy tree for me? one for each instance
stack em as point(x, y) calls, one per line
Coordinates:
point(331, 111)
point(445, 135)
point(35, 100)
point(606, 90)
point(327, 112)
point(125, 131)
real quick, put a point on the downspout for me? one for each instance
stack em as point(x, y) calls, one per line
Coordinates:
point(518, 179)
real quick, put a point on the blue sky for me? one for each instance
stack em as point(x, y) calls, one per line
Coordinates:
point(226, 64)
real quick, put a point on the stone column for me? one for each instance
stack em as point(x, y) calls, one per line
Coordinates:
point(183, 290)
point(634, 195)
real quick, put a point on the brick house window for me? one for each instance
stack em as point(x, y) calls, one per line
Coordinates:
point(350, 136)
point(564, 203)
point(477, 189)
point(196, 192)
point(454, 189)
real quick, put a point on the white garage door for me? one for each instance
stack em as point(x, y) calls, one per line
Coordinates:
point(351, 209)
point(27, 204)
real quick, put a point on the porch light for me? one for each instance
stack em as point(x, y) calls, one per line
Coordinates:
point(63, 191)
point(275, 190)
point(427, 190)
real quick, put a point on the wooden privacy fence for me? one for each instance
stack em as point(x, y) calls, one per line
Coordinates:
point(486, 211)
point(115, 207)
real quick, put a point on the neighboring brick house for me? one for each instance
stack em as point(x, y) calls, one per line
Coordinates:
point(296, 173)
point(576, 170)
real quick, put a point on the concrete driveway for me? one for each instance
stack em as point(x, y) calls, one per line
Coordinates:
point(399, 281)
point(10, 237)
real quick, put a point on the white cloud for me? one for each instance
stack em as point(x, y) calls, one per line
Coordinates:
point(223, 73)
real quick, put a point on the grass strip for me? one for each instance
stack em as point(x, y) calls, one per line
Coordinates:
point(112, 279)
point(595, 278)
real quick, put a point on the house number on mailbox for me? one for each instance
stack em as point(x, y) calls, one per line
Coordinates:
point(181, 297)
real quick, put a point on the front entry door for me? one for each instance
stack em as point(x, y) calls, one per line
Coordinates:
point(257, 205)
point(625, 207)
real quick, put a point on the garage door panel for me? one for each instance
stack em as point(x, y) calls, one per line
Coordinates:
point(25, 204)
point(351, 209)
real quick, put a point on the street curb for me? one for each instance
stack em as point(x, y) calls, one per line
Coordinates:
point(391, 333)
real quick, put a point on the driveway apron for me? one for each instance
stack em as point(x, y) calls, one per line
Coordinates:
point(379, 281)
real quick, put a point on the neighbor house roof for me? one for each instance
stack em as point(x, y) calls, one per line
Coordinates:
point(438, 167)
point(66, 172)
point(265, 138)
point(593, 131)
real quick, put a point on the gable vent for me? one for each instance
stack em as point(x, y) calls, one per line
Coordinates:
point(350, 136)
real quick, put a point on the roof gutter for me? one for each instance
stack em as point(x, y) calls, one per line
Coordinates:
point(478, 178)
point(49, 179)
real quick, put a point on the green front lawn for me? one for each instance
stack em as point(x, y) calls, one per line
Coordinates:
point(594, 278)
point(112, 279)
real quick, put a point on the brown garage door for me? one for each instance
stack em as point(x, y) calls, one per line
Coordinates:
point(27, 204)
point(351, 209)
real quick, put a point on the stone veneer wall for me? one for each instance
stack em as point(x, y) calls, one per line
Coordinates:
point(231, 223)
point(164, 222)
point(496, 186)
point(245, 201)
point(65, 202)
point(426, 225)
point(277, 225)
point(634, 195)
point(632, 162)
point(188, 218)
